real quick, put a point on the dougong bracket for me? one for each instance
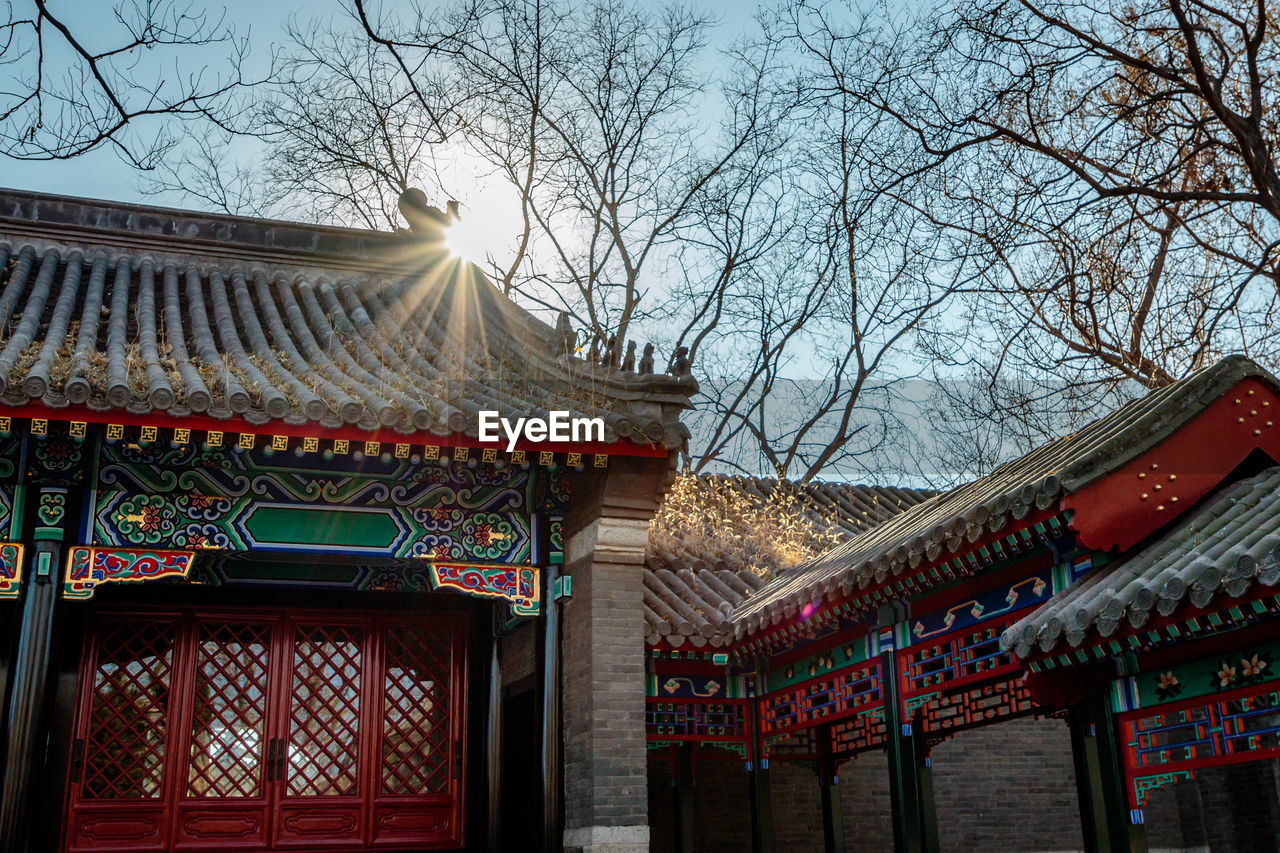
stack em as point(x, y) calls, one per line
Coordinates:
point(87, 567)
point(516, 584)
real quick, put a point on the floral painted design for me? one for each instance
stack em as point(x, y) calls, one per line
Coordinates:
point(487, 535)
point(204, 507)
point(197, 536)
point(440, 518)
point(146, 520)
point(1168, 686)
point(1251, 667)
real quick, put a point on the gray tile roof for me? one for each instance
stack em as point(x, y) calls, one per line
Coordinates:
point(121, 307)
point(692, 586)
point(949, 522)
point(1226, 546)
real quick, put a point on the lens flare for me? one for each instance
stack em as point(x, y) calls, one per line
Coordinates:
point(469, 239)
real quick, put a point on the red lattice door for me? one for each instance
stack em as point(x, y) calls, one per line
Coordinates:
point(222, 796)
point(244, 731)
point(121, 788)
point(418, 786)
point(320, 753)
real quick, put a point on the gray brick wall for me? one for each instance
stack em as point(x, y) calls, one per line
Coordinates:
point(517, 651)
point(797, 807)
point(721, 819)
point(1007, 787)
point(864, 798)
point(722, 822)
point(1233, 808)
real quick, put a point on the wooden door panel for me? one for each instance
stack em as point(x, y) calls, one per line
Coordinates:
point(139, 827)
point(414, 824)
point(418, 797)
point(325, 702)
point(119, 776)
point(215, 827)
point(250, 731)
point(312, 825)
point(321, 796)
point(224, 801)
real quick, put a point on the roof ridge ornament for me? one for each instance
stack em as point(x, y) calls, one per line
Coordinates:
point(426, 220)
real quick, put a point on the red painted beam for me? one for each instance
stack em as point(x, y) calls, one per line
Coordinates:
point(1130, 504)
point(206, 423)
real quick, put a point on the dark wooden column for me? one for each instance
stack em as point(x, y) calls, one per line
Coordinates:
point(760, 793)
point(23, 758)
point(43, 506)
point(829, 780)
point(1105, 821)
point(10, 614)
point(914, 820)
point(1093, 808)
point(924, 776)
point(684, 784)
point(493, 747)
point(549, 689)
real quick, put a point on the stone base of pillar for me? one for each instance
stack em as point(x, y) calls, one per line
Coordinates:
point(607, 839)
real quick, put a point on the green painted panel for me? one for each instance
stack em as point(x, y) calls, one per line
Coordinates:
point(285, 525)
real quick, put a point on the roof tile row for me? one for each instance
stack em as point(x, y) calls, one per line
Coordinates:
point(1226, 546)
point(102, 316)
point(950, 522)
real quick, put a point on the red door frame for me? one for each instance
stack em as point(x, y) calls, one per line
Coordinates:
point(384, 821)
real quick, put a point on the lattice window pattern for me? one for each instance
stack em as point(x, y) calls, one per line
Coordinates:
point(416, 751)
point(229, 710)
point(125, 744)
point(1175, 743)
point(696, 720)
point(324, 736)
point(957, 658)
point(949, 713)
point(859, 733)
point(823, 700)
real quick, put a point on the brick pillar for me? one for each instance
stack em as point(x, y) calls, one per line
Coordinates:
point(602, 657)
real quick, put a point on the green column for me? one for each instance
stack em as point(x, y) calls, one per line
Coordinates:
point(1084, 754)
point(1105, 820)
point(760, 793)
point(25, 729)
point(829, 780)
point(924, 771)
point(493, 746)
point(684, 815)
point(910, 789)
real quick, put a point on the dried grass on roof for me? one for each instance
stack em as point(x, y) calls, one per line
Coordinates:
point(761, 534)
